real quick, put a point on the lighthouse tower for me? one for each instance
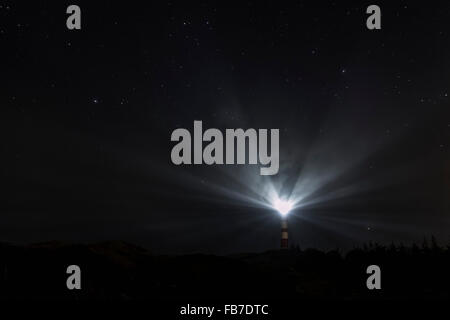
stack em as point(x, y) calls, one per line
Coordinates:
point(284, 233)
point(283, 207)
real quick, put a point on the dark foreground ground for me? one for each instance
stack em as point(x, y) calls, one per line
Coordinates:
point(117, 270)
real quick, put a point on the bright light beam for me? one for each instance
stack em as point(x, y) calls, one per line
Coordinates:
point(282, 206)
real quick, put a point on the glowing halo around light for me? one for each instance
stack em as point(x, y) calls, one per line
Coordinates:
point(282, 206)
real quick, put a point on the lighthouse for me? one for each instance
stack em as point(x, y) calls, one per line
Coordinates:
point(284, 233)
point(283, 207)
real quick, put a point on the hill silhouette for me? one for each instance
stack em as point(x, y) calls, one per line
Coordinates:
point(122, 271)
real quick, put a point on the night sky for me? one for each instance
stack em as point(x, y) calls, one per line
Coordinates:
point(87, 115)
